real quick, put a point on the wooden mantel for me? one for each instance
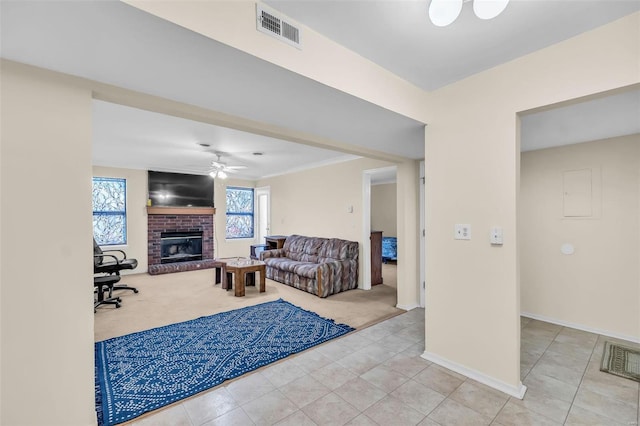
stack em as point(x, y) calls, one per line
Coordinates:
point(181, 210)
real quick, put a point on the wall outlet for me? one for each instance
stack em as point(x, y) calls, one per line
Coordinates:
point(462, 232)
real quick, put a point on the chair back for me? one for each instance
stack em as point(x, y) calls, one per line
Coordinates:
point(97, 254)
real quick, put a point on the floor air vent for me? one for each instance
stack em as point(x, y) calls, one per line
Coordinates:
point(277, 25)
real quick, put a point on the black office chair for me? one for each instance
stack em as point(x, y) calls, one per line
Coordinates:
point(105, 262)
point(102, 284)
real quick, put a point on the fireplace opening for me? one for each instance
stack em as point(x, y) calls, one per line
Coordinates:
point(180, 246)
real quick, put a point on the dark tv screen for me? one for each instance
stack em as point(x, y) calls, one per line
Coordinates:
point(180, 190)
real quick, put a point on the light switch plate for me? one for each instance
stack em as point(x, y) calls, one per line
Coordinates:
point(495, 236)
point(462, 231)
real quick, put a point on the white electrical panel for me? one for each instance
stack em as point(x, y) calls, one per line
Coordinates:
point(462, 231)
point(495, 236)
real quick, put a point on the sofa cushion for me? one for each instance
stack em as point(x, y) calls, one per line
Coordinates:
point(304, 269)
point(337, 249)
point(303, 249)
point(307, 270)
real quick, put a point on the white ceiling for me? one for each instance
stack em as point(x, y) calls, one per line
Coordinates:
point(137, 139)
point(601, 118)
point(397, 34)
point(111, 42)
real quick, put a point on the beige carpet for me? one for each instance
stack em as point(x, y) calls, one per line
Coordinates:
point(170, 298)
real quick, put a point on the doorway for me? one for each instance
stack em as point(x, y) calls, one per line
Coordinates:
point(263, 213)
point(423, 236)
point(578, 214)
point(379, 214)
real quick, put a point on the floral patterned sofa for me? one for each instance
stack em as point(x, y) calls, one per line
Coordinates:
point(321, 266)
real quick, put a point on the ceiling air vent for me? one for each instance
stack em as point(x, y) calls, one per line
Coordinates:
point(277, 25)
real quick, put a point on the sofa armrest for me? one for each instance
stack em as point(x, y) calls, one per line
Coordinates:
point(335, 276)
point(272, 253)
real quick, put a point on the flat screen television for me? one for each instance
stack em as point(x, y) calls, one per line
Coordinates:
point(180, 190)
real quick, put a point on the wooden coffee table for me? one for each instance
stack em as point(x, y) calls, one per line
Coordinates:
point(220, 268)
point(242, 268)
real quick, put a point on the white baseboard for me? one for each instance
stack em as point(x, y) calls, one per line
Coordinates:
point(407, 307)
point(515, 391)
point(581, 327)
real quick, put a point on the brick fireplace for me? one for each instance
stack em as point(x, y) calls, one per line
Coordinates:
point(163, 221)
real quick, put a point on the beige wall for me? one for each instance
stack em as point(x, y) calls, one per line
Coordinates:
point(408, 208)
point(472, 155)
point(46, 293)
point(223, 247)
point(383, 209)
point(137, 194)
point(597, 287)
point(315, 202)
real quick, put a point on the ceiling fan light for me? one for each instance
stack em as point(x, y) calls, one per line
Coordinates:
point(212, 174)
point(222, 174)
point(489, 9)
point(444, 12)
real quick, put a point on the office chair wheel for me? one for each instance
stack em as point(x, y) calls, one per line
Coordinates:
point(117, 305)
point(136, 291)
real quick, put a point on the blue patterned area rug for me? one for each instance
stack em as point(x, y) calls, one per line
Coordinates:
point(147, 370)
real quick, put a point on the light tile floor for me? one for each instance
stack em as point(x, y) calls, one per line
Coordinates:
point(376, 377)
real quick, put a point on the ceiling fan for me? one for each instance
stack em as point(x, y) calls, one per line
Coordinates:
point(220, 169)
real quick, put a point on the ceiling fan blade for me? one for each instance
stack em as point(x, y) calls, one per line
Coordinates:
point(235, 167)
